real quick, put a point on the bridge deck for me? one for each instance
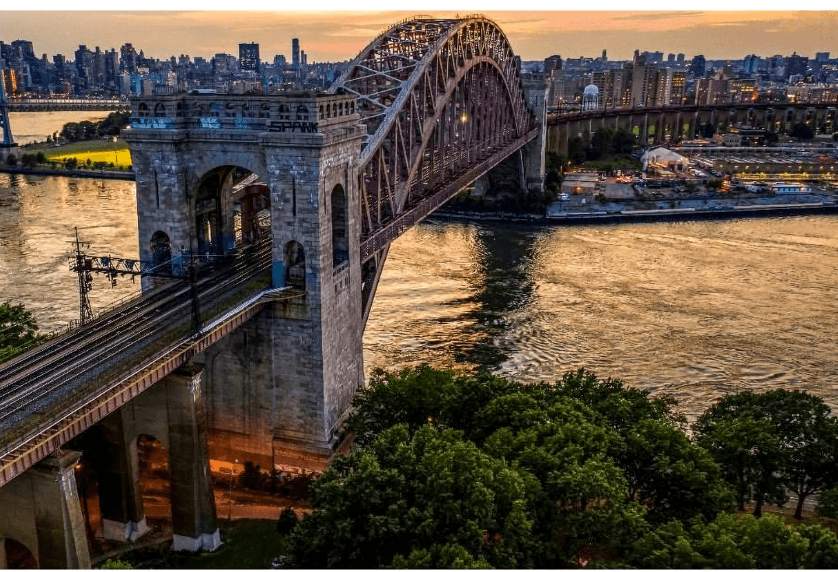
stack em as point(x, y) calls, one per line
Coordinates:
point(54, 392)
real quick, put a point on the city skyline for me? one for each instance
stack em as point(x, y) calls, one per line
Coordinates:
point(336, 36)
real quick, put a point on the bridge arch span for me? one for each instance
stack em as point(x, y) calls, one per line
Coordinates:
point(443, 102)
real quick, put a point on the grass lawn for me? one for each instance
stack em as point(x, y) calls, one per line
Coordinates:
point(95, 150)
point(246, 544)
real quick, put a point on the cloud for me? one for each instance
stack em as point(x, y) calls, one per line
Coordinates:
point(659, 15)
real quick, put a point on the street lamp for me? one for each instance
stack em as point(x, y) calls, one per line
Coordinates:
point(230, 493)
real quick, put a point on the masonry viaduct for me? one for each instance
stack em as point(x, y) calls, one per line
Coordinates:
point(330, 179)
point(669, 124)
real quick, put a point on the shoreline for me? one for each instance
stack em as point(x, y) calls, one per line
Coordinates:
point(566, 219)
point(81, 174)
point(660, 215)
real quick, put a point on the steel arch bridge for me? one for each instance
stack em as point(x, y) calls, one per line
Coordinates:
point(444, 103)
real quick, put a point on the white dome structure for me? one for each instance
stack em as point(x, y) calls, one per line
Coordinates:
point(590, 98)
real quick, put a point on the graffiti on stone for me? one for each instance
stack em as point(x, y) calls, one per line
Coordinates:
point(301, 126)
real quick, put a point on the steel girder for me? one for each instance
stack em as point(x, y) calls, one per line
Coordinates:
point(443, 103)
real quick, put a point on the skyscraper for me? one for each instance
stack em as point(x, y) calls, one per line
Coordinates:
point(249, 57)
point(295, 53)
point(697, 67)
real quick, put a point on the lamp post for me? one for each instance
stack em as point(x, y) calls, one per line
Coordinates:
point(230, 493)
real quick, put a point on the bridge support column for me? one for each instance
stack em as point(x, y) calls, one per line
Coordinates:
point(41, 510)
point(117, 470)
point(535, 90)
point(193, 502)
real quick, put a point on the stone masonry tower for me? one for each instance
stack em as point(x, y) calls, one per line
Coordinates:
point(277, 388)
point(535, 90)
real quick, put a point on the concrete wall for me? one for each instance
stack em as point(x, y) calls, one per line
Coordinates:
point(41, 510)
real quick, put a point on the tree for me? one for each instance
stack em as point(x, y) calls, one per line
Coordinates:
point(673, 477)
point(17, 328)
point(771, 138)
point(790, 434)
point(432, 498)
point(735, 542)
point(28, 160)
point(707, 130)
point(576, 150)
point(601, 143)
point(744, 441)
point(72, 131)
point(808, 440)
point(11, 160)
point(801, 131)
point(623, 142)
point(40, 158)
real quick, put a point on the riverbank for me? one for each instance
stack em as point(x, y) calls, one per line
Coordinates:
point(577, 218)
point(75, 173)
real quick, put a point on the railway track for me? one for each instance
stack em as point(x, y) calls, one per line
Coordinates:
point(45, 374)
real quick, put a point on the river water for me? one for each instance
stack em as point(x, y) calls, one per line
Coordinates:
point(693, 309)
point(31, 127)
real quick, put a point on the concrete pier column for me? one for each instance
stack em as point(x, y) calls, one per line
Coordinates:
point(59, 522)
point(117, 469)
point(193, 502)
point(535, 90)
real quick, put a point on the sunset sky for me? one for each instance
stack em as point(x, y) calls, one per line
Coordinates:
point(332, 35)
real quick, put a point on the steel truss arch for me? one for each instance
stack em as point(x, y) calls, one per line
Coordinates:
point(443, 102)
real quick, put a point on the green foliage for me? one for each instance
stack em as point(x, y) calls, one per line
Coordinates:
point(707, 130)
point(828, 503)
point(40, 158)
point(733, 542)
point(17, 329)
point(28, 160)
point(673, 477)
point(714, 184)
point(419, 497)
point(71, 163)
point(554, 161)
point(576, 150)
point(11, 160)
point(476, 471)
point(116, 565)
point(772, 441)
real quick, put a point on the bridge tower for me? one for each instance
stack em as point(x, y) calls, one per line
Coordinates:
point(8, 145)
point(535, 91)
point(276, 388)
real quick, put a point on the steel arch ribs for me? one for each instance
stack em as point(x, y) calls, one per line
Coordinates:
point(437, 97)
point(443, 103)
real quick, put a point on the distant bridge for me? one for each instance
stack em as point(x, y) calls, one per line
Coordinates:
point(33, 104)
point(669, 124)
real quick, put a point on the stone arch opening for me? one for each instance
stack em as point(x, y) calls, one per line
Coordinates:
point(142, 110)
point(17, 555)
point(253, 216)
point(231, 209)
point(161, 250)
point(284, 111)
point(216, 109)
point(295, 265)
point(340, 224)
point(160, 110)
point(155, 479)
point(302, 113)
